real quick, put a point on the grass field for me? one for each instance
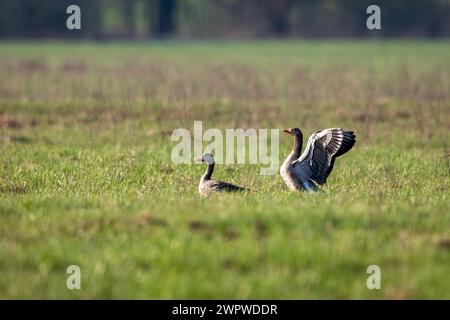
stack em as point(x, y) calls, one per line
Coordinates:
point(86, 177)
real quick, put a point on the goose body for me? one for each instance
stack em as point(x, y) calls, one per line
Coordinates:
point(208, 185)
point(314, 165)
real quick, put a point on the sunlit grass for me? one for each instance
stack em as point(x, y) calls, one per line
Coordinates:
point(86, 176)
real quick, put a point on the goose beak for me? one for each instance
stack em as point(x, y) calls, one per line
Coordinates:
point(199, 159)
point(287, 130)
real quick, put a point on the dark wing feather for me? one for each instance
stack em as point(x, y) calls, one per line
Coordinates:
point(322, 150)
point(217, 185)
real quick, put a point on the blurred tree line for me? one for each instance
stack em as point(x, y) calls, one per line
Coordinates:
point(140, 19)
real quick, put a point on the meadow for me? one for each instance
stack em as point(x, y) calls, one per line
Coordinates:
point(86, 176)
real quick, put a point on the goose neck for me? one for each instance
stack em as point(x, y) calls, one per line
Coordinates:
point(208, 173)
point(297, 148)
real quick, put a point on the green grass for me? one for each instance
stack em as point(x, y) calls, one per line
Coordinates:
point(86, 176)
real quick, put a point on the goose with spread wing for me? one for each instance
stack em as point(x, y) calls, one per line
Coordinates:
point(304, 171)
point(208, 185)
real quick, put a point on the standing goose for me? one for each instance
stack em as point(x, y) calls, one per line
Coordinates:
point(207, 185)
point(316, 162)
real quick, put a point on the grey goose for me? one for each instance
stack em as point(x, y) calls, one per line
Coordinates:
point(208, 185)
point(303, 171)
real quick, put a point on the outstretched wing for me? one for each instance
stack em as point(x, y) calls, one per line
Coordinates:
point(322, 149)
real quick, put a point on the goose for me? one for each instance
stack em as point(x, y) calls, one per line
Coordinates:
point(302, 172)
point(207, 185)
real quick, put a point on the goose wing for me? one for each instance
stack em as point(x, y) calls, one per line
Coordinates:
point(217, 185)
point(322, 149)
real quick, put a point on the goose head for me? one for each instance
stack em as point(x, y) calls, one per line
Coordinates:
point(296, 132)
point(208, 158)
